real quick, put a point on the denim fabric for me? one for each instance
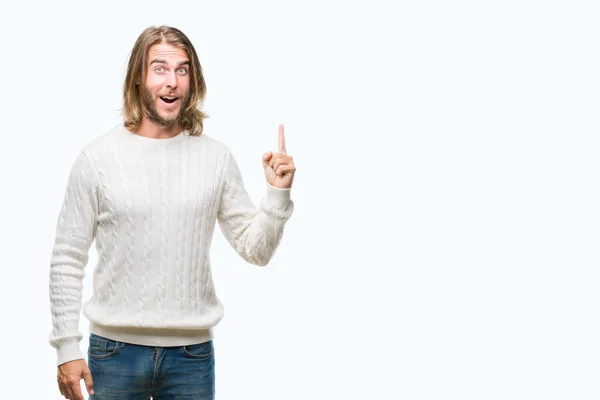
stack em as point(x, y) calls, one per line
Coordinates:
point(127, 371)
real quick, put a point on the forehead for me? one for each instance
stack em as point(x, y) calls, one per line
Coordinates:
point(166, 52)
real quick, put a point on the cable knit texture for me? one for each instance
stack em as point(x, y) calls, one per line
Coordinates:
point(151, 206)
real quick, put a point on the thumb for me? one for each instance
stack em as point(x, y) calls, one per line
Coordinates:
point(89, 382)
point(266, 157)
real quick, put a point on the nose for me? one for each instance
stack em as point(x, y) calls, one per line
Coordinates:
point(171, 81)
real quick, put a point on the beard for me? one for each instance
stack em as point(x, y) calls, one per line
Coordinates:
point(153, 115)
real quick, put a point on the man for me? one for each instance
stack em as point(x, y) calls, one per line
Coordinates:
point(150, 192)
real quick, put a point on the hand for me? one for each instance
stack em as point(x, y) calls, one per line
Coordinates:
point(279, 167)
point(69, 376)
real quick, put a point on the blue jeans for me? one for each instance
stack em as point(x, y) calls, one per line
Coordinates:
point(127, 371)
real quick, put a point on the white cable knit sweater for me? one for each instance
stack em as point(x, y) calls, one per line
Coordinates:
point(151, 206)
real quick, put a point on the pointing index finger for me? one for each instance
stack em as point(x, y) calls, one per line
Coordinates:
point(281, 140)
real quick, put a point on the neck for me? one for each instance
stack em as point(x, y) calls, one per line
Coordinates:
point(153, 130)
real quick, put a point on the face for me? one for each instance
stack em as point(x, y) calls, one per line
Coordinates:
point(167, 84)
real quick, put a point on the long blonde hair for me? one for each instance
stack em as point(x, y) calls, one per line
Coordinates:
point(191, 118)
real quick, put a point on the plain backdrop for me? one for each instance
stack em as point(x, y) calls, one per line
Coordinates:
point(444, 243)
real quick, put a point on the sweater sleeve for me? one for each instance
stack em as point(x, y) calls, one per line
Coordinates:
point(254, 232)
point(75, 232)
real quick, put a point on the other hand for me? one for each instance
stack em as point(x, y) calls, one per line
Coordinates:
point(69, 376)
point(279, 167)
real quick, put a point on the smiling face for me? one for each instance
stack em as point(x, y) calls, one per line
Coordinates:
point(166, 88)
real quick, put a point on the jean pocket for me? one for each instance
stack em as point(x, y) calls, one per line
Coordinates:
point(101, 347)
point(200, 350)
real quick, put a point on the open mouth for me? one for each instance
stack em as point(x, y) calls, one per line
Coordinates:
point(168, 99)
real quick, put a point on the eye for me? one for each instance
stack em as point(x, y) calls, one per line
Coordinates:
point(182, 71)
point(158, 69)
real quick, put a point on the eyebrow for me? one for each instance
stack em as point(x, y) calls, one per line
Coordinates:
point(160, 61)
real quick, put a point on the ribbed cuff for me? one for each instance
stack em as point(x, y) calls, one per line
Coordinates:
point(277, 197)
point(68, 352)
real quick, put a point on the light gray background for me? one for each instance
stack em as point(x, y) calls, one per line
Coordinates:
point(445, 238)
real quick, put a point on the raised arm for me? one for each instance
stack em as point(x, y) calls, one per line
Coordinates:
point(255, 232)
